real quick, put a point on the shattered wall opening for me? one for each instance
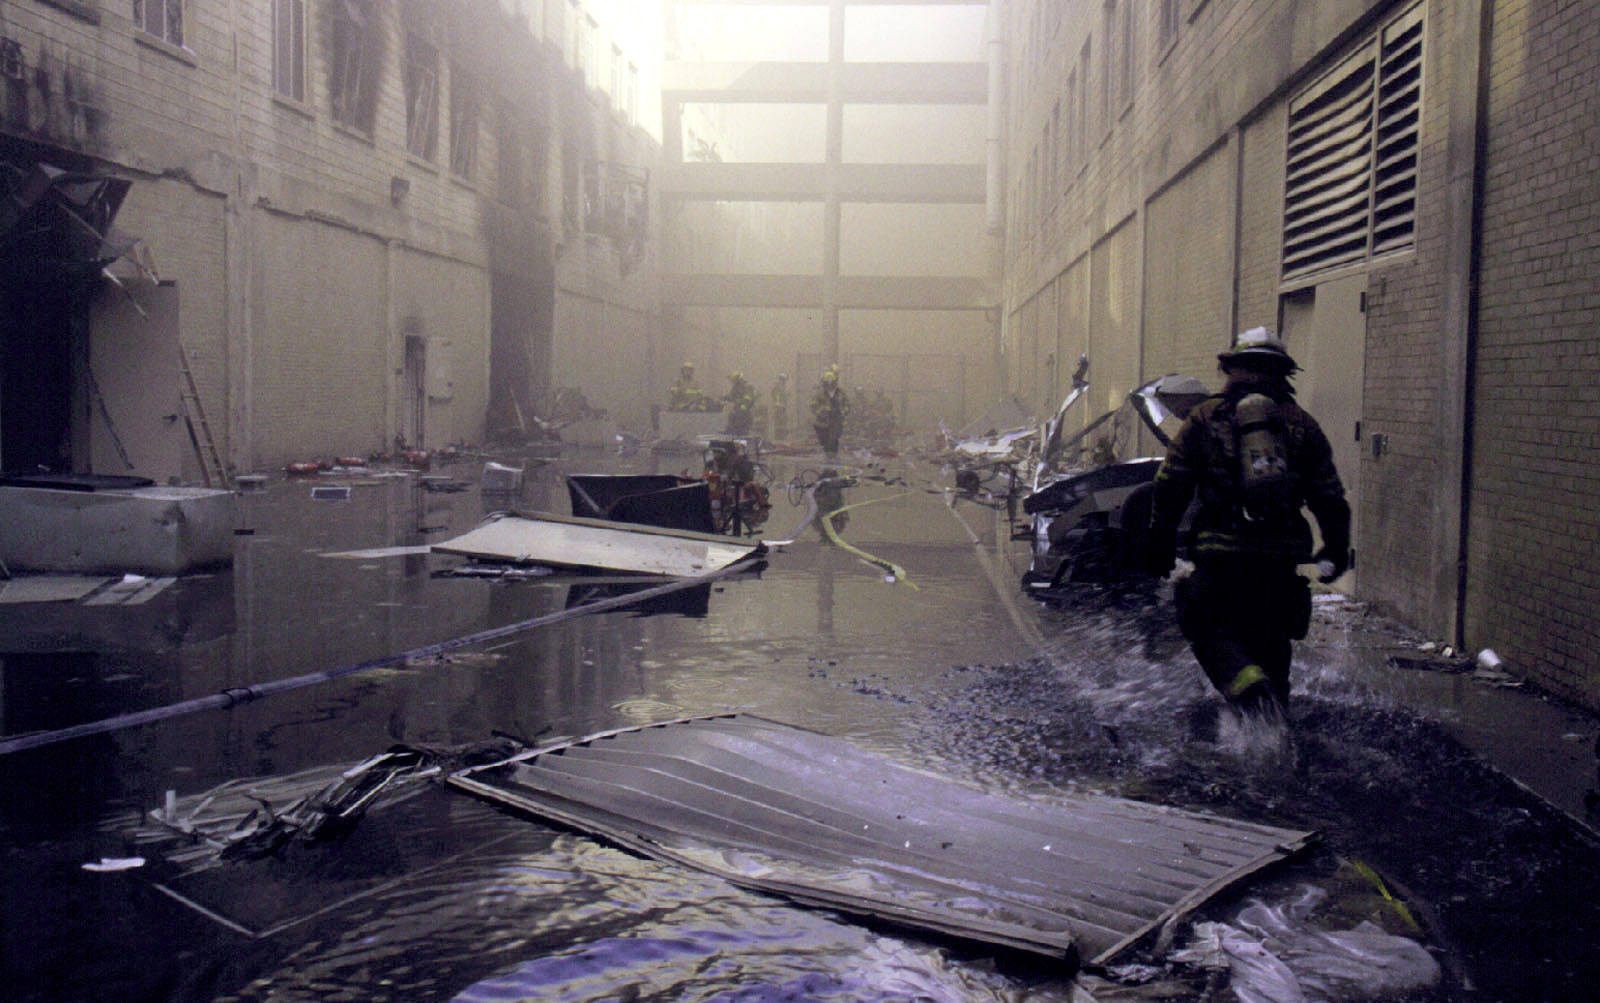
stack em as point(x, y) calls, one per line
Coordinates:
point(55, 237)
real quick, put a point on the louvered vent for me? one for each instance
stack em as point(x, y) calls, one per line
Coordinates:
point(1350, 188)
point(1394, 198)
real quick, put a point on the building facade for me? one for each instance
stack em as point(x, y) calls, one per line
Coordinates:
point(340, 227)
point(826, 192)
point(1406, 191)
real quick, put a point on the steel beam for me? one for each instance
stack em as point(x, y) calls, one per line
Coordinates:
point(807, 83)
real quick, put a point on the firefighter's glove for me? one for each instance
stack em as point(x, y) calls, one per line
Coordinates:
point(1331, 563)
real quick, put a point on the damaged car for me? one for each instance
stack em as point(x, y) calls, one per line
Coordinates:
point(1089, 508)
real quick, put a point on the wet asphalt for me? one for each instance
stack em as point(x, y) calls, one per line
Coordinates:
point(1465, 797)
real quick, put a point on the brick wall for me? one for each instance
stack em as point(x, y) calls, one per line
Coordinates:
point(320, 343)
point(1533, 571)
point(1261, 217)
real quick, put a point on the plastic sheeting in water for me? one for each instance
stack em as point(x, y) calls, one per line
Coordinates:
point(1275, 955)
point(781, 809)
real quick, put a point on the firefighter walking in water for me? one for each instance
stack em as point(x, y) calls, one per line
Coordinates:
point(1252, 457)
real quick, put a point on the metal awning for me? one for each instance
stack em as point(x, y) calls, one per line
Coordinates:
point(56, 219)
point(780, 809)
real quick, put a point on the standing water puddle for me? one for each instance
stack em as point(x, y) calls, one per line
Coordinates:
point(444, 898)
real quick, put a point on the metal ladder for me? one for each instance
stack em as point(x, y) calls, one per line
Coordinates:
point(194, 416)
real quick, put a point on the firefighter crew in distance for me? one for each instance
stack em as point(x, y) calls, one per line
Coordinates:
point(829, 406)
point(741, 401)
point(1253, 457)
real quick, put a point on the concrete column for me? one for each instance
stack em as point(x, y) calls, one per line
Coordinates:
point(1466, 47)
point(831, 215)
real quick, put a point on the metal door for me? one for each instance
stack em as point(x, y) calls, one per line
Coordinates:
point(1326, 331)
point(134, 383)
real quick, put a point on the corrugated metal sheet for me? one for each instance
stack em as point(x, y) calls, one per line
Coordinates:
point(777, 808)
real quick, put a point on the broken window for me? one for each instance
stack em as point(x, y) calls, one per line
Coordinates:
point(161, 18)
point(353, 60)
point(1350, 187)
point(465, 102)
point(422, 98)
point(289, 48)
point(616, 203)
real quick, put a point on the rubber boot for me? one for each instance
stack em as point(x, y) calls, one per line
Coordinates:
point(1250, 689)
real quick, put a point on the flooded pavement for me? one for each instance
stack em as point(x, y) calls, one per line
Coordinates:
point(950, 669)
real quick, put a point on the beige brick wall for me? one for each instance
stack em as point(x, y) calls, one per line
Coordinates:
point(1533, 571)
point(1188, 285)
point(1261, 216)
point(321, 349)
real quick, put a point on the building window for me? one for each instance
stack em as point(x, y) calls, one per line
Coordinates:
point(588, 50)
point(421, 83)
point(1351, 181)
point(161, 18)
point(289, 48)
point(1166, 24)
point(1074, 126)
point(509, 175)
point(352, 73)
point(1054, 129)
point(632, 100)
point(1127, 62)
point(1108, 90)
point(465, 103)
point(616, 78)
point(570, 32)
point(1086, 102)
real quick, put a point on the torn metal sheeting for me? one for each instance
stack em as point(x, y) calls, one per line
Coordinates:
point(377, 552)
point(49, 588)
point(784, 810)
point(567, 542)
point(131, 590)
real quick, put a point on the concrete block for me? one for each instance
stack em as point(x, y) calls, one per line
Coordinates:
point(150, 530)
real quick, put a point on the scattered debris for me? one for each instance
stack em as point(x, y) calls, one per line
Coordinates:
point(496, 572)
point(239, 820)
point(1429, 662)
point(499, 478)
point(107, 865)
